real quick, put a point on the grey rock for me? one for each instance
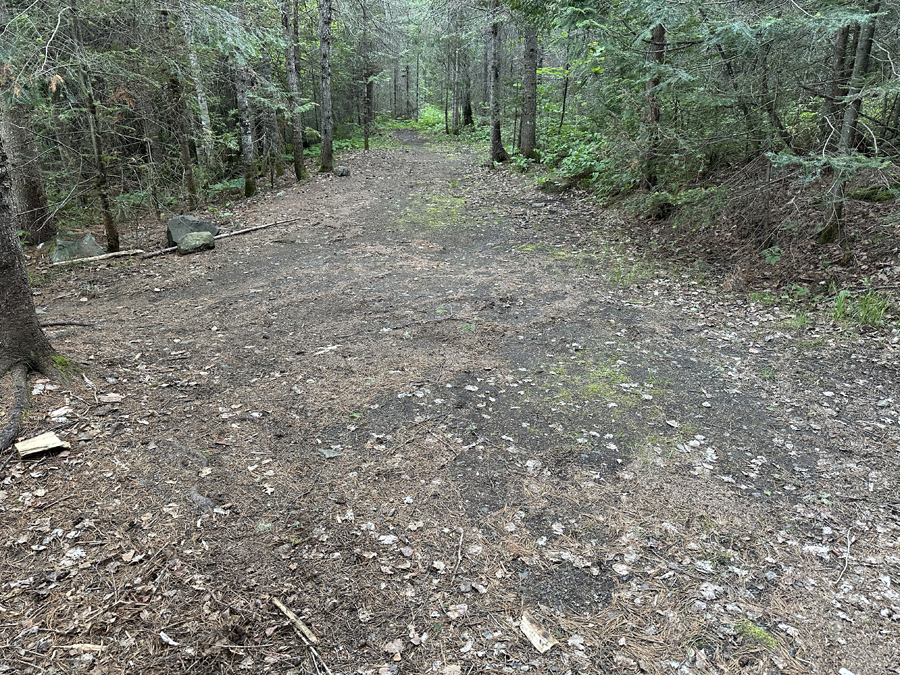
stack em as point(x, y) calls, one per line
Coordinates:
point(342, 171)
point(194, 242)
point(66, 249)
point(179, 226)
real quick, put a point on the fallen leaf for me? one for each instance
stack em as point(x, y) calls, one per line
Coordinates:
point(394, 647)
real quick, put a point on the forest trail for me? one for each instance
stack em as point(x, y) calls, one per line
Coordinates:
point(438, 402)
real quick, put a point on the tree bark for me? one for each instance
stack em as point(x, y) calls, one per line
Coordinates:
point(22, 342)
point(834, 212)
point(207, 142)
point(830, 107)
point(154, 152)
point(101, 182)
point(498, 152)
point(368, 85)
point(529, 94)
point(248, 152)
point(326, 153)
point(651, 112)
point(565, 92)
point(179, 123)
point(29, 197)
point(290, 58)
point(454, 91)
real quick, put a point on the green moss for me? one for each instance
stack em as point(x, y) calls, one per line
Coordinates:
point(63, 365)
point(435, 211)
point(750, 631)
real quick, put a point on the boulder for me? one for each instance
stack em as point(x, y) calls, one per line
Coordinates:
point(194, 242)
point(66, 249)
point(342, 171)
point(179, 226)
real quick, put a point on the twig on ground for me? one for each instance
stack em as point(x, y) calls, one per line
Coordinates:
point(304, 629)
point(305, 634)
point(95, 258)
point(172, 249)
point(462, 533)
point(846, 557)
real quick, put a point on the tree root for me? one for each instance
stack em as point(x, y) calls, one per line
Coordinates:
point(18, 373)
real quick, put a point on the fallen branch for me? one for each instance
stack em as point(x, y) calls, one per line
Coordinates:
point(172, 249)
point(105, 256)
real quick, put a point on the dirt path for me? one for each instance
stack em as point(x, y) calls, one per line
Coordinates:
point(436, 403)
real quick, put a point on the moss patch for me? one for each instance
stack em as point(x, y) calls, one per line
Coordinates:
point(435, 211)
point(750, 631)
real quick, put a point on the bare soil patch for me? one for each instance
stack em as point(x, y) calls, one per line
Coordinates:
point(437, 402)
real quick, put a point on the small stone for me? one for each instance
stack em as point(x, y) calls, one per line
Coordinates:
point(194, 242)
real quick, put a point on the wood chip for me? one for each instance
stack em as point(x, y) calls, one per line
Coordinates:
point(42, 443)
point(538, 636)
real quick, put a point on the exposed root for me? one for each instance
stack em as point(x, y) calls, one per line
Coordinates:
point(18, 374)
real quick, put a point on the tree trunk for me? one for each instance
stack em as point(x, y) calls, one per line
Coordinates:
point(834, 212)
point(326, 154)
point(29, 198)
point(454, 93)
point(408, 109)
point(529, 94)
point(272, 142)
point(206, 142)
point(769, 102)
point(367, 77)
point(26, 199)
point(498, 152)
point(179, 123)
point(22, 342)
point(290, 58)
point(101, 182)
point(154, 153)
point(565, 92)
point(651, 112)
point(835, 87)
point(248, 153)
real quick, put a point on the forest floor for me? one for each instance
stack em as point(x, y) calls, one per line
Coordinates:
point(449, 422)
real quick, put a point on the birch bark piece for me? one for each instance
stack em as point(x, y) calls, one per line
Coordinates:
point(538, 636)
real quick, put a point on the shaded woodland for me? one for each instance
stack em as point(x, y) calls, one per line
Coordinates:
point(726, 119)
point(113, 110)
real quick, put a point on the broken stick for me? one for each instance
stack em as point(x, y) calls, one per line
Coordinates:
point(94, 258)
point(303, 628)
